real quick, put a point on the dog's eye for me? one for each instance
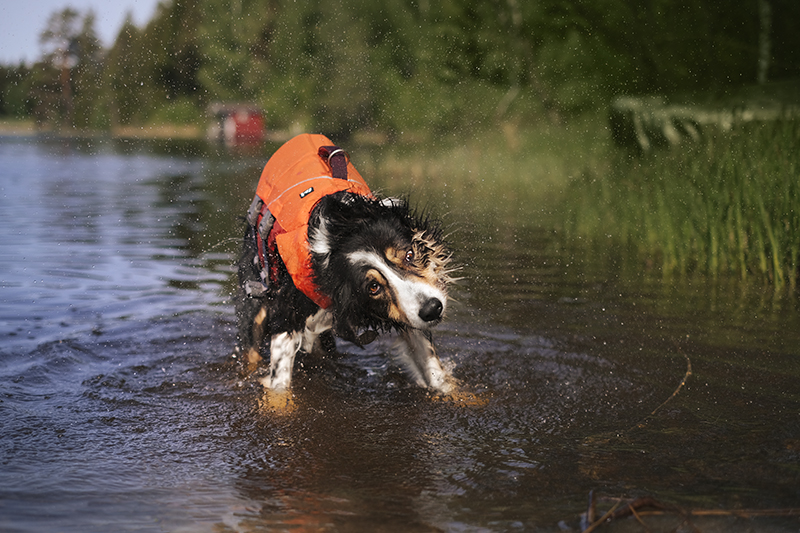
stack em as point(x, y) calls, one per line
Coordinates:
point(409, 258)
point(374, 288)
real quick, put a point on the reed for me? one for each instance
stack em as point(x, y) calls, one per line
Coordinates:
point(509, 173)
point(730, 204)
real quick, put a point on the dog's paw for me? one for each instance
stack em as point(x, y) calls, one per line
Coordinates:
point(462, 398)
point(277, 402)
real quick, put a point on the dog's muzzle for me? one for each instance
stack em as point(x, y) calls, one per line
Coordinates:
point(431, 310)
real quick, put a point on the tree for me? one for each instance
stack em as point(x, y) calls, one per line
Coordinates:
point(400, 65)
point(168, 61)
point(765, 21)
point(15, 87)
point(122, 75)
point(233, 39)
point(72, 49)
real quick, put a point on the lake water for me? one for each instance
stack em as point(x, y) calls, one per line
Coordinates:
point(121, 411)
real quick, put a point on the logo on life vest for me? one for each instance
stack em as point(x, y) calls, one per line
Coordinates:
point(306, 192)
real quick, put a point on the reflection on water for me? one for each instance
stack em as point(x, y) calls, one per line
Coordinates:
point(120, 410)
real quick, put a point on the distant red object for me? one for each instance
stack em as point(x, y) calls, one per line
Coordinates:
point(236, 124)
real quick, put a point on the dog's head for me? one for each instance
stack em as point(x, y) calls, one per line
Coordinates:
point(381, 265)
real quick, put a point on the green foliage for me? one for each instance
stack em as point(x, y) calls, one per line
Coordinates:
point(66, 84)
point(46, 94)
point(123, 77)
point(397, 66)
point(15, 88)
point(182, 111)
point(231, 39)
point(728, 206)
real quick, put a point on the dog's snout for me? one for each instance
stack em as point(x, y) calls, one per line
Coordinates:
point(431, 310)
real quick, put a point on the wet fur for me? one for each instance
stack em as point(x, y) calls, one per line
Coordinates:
point(356, 243)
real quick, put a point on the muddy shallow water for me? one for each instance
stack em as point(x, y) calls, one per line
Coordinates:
point(121, 411)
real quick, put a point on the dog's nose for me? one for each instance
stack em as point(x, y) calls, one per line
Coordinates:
point(431, 310)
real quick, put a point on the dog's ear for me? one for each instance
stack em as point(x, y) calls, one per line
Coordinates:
point(335, 207)
point(346, 315)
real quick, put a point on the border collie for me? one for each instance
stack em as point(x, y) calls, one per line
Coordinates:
point(323, 256)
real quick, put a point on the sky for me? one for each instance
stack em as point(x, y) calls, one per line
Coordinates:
point(21, 22)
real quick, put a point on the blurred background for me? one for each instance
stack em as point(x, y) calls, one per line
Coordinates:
point(395, 68)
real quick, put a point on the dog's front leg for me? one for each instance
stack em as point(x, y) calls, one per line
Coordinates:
point(316, 324)
point(283, 348)
point(415, 351)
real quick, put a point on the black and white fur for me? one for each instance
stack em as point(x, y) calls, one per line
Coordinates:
point(382, 266)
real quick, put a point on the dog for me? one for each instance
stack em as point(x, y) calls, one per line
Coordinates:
point(323, 256)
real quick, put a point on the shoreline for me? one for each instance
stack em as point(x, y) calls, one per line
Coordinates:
point(162, 132)
point(17, 128)
point(28, 128)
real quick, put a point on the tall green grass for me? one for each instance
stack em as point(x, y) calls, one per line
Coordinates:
point(727, 205)
point(508, 173)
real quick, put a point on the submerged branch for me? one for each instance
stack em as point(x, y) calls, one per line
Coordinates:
point(680, 386)
point(647, 506)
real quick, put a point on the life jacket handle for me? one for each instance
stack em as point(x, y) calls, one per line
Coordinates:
point(337, 159)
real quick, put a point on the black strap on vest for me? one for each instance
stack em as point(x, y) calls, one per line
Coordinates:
point(262, 222)
point(336, 159)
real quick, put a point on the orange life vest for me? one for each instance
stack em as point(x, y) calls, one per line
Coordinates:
point(294, 179)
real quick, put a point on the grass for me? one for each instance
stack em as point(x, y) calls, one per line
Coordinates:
point(11, 126)
point(508, 174)
point(164, 131)
point(727, 205)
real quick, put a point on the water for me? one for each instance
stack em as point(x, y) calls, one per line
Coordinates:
point(120, 409)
